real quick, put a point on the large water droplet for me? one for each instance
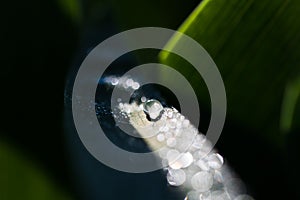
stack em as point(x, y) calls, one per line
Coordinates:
point(176, 177)
point(202, 181)
point(203, 165)
point(160, 137)
point(153, 108)
point(171, 142)
point(179, 160)
point(215, 161)
point(172, 155)
point(186, 159)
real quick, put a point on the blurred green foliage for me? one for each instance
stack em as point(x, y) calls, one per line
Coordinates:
point(255, 45)
point(21, 179)
point(130, 13)
point(290, 111)
point(136, 13)
point(73, 9)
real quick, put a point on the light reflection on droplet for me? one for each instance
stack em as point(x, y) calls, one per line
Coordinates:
point(114, 81)
point(171, 142)
point(135, 85)
point(160, 137)
point(215, 161)
point(186, 159)
point(202, 181)
point(129, 82)
point(153, 108)
point(143, 99)
point(203, 165)
point(176, 177)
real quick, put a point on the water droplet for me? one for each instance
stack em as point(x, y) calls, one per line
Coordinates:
point(135, 85)
point(173, 159)
point(185, 123)
point(143, 99)
point(170, 113)
point(186, 159)
point(163, 152)
point(205, 196)
point(172, 123)
point(165, 129)
point(215, 161)
point(203, 165)
point(206, 147)
point(129, 82)
point(176, 177)
point(177, 133)
point(171, 142)
point(202, 181)
point(114, 81)
point(172, 155)
point(168, 135)
point(160, 137)
point(153, 108)
point(182, 160)
point(178, 124)
point(218, 176)
point(198, 141)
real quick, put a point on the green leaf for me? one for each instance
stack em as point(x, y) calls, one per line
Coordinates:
point(256, 46)
point(21, 179)
point(73, 9)
point(288, 120)
point(166, 13)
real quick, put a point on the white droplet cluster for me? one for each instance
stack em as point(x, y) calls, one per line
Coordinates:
point(190, 159)
point(188, 151)
point(187, 154)
point(122, 82)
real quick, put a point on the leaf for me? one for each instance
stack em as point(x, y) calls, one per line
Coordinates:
point(255, 45)
point(73, 9)
point(290, 100)
point(135, 13)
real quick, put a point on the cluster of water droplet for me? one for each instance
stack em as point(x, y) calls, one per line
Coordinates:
point(187, 155)
point(123, 82)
